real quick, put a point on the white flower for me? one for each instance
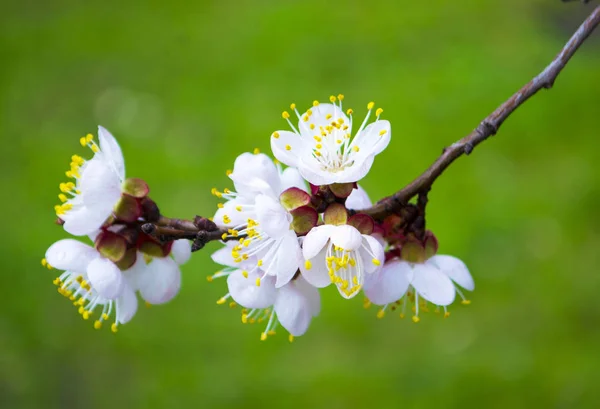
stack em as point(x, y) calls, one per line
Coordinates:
point(255, 214)
point(292, 305)
point(92, 282)
point(158, 279)
point(358, 199)
point(436, 280)
point(323, 149)
point(89, 201)
point(340, 254)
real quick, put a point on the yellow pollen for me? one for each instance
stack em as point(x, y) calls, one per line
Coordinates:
point(328, 116)
point(332, 98)
point(263, 336)
point(285, 115)
point(223, 236)
point(350, 111)
point(465, 302)
point(341, 97)
point(82, 141)
point(291, 338)
point(95, 148)
point(382, 132)
point(416, 319)
point(356, 149)
point(259, 263)
point(276, 135)
point(228, 172)
point(312, 126)
point(258, 282)
point(256, 151)
point(220, 205)
point(86, 315)
point(238, 208)
point(62, 197)
point(89, 138)
point(308, 264)
point(379, 111)
point(293, 106)
point(226, 219)
point(44, 262)
point(97, 324)
point(380, 313)
point(232, 304)
point(221, 301)
point(288, 148)
point(315, 103)
point(114, 328)
point(446, 314)
point(209, 279)
point(370, 105)
point(245, 274)
point(318, 146)
point(376, 262)
point(244, 318)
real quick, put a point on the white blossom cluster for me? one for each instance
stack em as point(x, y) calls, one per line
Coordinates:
point(287, 232)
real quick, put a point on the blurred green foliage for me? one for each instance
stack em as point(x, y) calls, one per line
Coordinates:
point(186, 86)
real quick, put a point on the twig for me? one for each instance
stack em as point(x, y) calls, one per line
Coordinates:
point(489, 126)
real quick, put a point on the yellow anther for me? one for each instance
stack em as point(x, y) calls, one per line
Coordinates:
point(244, 318)
point(62, 197)
point(226, 219)
point(285, 115)
point(209, 279)
point(82, 141)
point(332, 98)
point(366, 303)
point(259, 263)
point(256, 151)
point(245, 274)
point(356, 148)
point(238, 208)
point(258, 282)
point(318, 146)
point(276, 135)
point(376, 262)
point(292, 106)
point(44, 262)
point(220, 205)
point(312, 126)
point(232, 304)
point(350, 111)
point(341, 97)
point(97, 324)
point(89, 138)
point(223, 236)
point(382, 132)
point(317, 153)
point(95, 148)
point(315, 103)
point(85, 315)
point(307, 264)
point(247, 243)
point(114, 328)
point(291, 338)
point(288, 148)
point(328, 116)
point(355, 280)
point(305, 118)
point(263, 336)
point(379, 111)
point(221, 301)
point(401, 315)
point(228, 172)
point(416, 319)
point(465, 302)
point(104, 317)
point(446, 314)
point(380, 313)
point(370, 105)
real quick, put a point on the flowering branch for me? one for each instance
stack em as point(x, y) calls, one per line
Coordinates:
point(488, 127)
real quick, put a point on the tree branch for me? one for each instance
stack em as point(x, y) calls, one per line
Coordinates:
point(489, 126)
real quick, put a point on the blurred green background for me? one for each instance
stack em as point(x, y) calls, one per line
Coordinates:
point(186, 86)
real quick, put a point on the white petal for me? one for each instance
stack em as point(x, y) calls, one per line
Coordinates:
point(112, 151)
point(272, 217)
point(315, 240)
point(432, 284)
point(181, 251)
point(72, 255)
point(346, 237)
point(286, 261)
point(311, 294)
point(357, 171)
point(253, 174)
point(83, 221)
point(288, 147)
point(100, 186)
point(293, 310)
point(290, 177)
point(455, 269)
point(246, 293)
point(230, 208)
point(161, 281)
point(106, 278)
point(223, 256)
point(391, 283)
point(318, 274)
point(313, 173)
point(370, 141)
point(372, 249)
point(358, 199)
point(126, 305)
